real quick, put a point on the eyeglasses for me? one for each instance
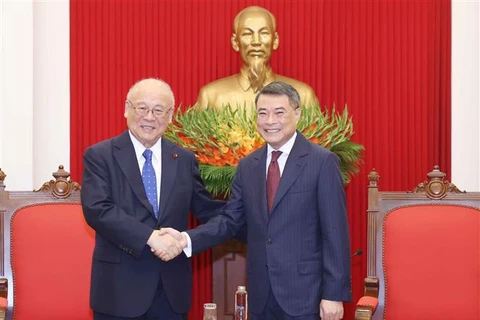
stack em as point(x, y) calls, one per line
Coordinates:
point(144, 110)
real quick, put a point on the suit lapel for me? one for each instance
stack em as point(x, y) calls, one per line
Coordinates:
point(169, 171)
point(259, 186)
point(295, 163)
point(124, 154)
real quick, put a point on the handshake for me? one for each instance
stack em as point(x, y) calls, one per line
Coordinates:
point(167, 243)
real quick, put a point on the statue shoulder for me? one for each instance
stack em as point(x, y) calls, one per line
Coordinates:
point(299, 85)
point(211, 93)
point(222, 83)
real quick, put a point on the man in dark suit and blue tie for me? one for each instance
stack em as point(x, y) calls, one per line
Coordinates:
point(133, 185)
point(290, 194)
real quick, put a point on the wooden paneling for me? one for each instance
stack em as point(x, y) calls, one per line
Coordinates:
point(229, 272)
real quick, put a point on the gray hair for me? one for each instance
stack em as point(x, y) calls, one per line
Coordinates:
point(278, 88)
point(161, 84)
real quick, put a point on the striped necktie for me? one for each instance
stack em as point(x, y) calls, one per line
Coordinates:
point(273, 179)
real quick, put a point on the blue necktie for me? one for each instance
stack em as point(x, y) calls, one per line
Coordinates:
point(150, 180)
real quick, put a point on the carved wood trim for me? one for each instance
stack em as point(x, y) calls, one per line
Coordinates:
point(363, 313)
point(373, 178)
point(2, 215)
point(436, 186)
point(62, 186)
point(2, 176)
point(371, 286)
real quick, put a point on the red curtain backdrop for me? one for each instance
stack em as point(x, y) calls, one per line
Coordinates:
point(389, 61)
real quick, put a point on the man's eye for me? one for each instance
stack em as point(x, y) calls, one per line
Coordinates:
point(279, 113)
point(158, 111)
point(143, 109)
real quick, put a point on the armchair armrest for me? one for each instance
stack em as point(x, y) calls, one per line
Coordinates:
point(367, 304)
point(3, 298)
point(366, 307)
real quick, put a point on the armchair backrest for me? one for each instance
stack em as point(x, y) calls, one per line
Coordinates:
point(424, 251)
point(45, 259)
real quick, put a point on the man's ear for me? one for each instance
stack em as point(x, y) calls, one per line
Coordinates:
point(125, 114)
point(234, 42)
point(298, 113)
point(276, 41)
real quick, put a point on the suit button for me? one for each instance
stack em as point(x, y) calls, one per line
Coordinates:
point(269, 241)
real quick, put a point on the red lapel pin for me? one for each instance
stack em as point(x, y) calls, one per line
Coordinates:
point(175, 156)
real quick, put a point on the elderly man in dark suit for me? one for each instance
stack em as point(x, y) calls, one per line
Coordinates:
point(133, 185)
point(290, 195)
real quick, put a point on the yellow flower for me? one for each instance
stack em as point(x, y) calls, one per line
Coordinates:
point(248, 142)
point(220, 137)
point(236, 136)
point(223, 148)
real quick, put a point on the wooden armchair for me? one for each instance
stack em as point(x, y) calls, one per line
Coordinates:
point(423, 252)
point(45, 252)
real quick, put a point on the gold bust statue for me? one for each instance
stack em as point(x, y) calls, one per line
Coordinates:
point(255, 38)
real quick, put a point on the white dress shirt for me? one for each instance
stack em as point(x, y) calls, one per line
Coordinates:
point(156, 160)
point(282, 160)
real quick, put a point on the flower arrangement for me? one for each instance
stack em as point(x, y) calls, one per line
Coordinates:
point(221, 137)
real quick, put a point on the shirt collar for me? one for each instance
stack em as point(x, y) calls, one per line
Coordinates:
point(140, 148)
point(286, 148)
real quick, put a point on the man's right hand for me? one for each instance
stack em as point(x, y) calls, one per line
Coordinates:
point(167, 243)
point(163, 245)
point(177, 235)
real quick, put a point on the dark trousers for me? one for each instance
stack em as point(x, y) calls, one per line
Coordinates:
point(273, 311)
point(159, 310)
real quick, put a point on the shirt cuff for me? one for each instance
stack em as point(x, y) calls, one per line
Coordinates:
point(188, 249)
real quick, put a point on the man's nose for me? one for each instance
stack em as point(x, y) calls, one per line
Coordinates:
point(150, 115)
point(256, 38)
point(271, 118)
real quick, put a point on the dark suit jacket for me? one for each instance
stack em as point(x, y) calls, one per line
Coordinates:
point(125, 274)
point(301, 249)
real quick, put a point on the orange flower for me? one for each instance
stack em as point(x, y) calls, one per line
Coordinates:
point(223, 148)
point(187, 141)
point(225, 141)
point(202, 158)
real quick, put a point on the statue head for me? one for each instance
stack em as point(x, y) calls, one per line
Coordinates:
point(255, 38)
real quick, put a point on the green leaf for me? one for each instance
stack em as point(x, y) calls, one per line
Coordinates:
point(207, 132)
